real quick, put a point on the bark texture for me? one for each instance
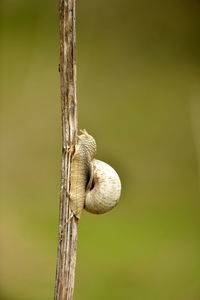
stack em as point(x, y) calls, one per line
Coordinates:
point(67, 240)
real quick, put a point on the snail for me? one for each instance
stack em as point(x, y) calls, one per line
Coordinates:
point(95, 186)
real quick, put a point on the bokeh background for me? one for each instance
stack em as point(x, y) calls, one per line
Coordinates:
point(138, 94)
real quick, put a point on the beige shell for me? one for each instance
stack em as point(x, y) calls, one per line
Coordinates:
point(105, 190)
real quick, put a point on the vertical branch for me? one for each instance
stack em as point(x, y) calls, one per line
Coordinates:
point(66, 256)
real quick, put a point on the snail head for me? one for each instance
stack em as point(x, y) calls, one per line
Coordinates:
point(89, 143)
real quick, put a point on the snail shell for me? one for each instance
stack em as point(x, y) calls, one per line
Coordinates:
point(95, 185)
point(105, 190)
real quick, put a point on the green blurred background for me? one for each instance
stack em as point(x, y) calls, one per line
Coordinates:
point(138, 94)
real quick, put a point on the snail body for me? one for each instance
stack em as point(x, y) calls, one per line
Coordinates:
point(80, 171)
point(95, 185)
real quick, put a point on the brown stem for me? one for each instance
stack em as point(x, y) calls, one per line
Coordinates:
point(66, 256)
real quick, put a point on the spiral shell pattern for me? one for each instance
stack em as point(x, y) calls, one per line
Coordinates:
point(106, 189)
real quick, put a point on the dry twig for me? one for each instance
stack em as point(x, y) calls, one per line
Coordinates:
point(66, 256)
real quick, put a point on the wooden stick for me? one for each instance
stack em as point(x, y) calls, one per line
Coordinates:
point(66, 256)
